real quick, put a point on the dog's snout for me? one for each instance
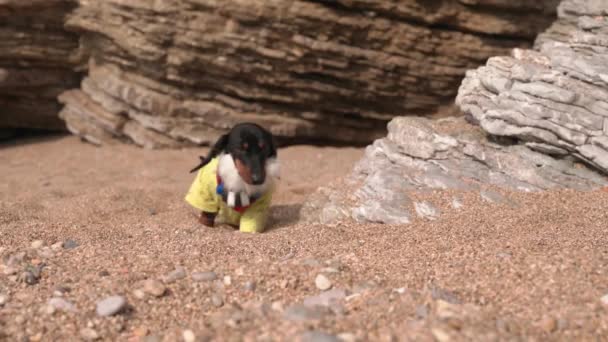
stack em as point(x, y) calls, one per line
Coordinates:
point(257, 178)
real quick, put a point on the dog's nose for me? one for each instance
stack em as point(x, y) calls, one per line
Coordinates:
point(257, 179)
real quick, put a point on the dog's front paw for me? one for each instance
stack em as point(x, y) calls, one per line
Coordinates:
point(207, 219)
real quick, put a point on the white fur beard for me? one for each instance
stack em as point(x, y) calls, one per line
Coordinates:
point(233, 183)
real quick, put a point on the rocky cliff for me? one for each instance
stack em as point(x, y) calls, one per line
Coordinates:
point(182, 71)
point(37, 61)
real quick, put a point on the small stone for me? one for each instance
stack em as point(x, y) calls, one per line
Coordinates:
point(3, 299)
point(139, 294)
point(46, 253)
point(9, 270)
point(457, 203)
point(427, 210)
point(326, 298)
point(440, 335)
point(29, 278)
point(347, 337)
point(36, 338)
point(89, 334)
point(227, 280)
point(62, 304)
point(69, 244)
point(152, 338)
point(37, 244)
point(239, 271)
point(277, 306)
point(249, 286)
point(548, 324)
point(322, 282)
point(188, 336)
point(154, 287)
point(422, 311)
point(111, 306)
point(175, 275)
point(50, 309)
point(60, 291)
point(299, 312)
point(318, 336)
point(57, 246)
point(604, 299)
point(217, 300)
point(330, 270)
point(140, 331)
point(19, 319)
point(203, 276)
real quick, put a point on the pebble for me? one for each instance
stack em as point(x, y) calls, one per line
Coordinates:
point(299, 312)
point(152, 338)
point(37, 244)
point(249, 286)
point(45, 253)
point(347, 337)
point(322, 282)
point(111, 305)
point(36, 338)
point(318, 336)
point(217, 300)
point(9, 270)
point(57, 246)
point(548, 324)
point(277, 306)
point(3, 299)
point(326, 298)
point(29, 278)
point(188, 336)
point(427, 210)
point(440, 335)
point(89, 334)
point(175, 275)
point(140, 331)
point(19, 319)
point(139, 294)
point(203, 276)
point(227, 280)
point(154, 287)
point(604, 299)
point(62, 304)
point(69, 244)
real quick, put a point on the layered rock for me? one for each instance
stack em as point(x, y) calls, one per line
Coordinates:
point(183, 71)
point(554, 98)
point(37, 61)
point(420, 154)
point(538, 114)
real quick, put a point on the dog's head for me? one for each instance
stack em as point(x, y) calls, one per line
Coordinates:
point(253, 150)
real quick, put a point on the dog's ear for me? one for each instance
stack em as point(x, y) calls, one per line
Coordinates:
point(273, 145)
point(219, 147)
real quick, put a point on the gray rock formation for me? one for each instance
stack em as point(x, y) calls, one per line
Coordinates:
point(37, 61)
point(420, 154)
point(168, 73)
point(554, 98)
point(538, 113)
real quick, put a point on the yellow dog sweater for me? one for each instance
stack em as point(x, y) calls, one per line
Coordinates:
point(205, 195)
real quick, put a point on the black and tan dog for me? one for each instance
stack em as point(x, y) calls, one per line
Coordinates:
point(236, 179)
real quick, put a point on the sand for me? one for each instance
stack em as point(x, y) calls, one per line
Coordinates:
point(534, 270)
